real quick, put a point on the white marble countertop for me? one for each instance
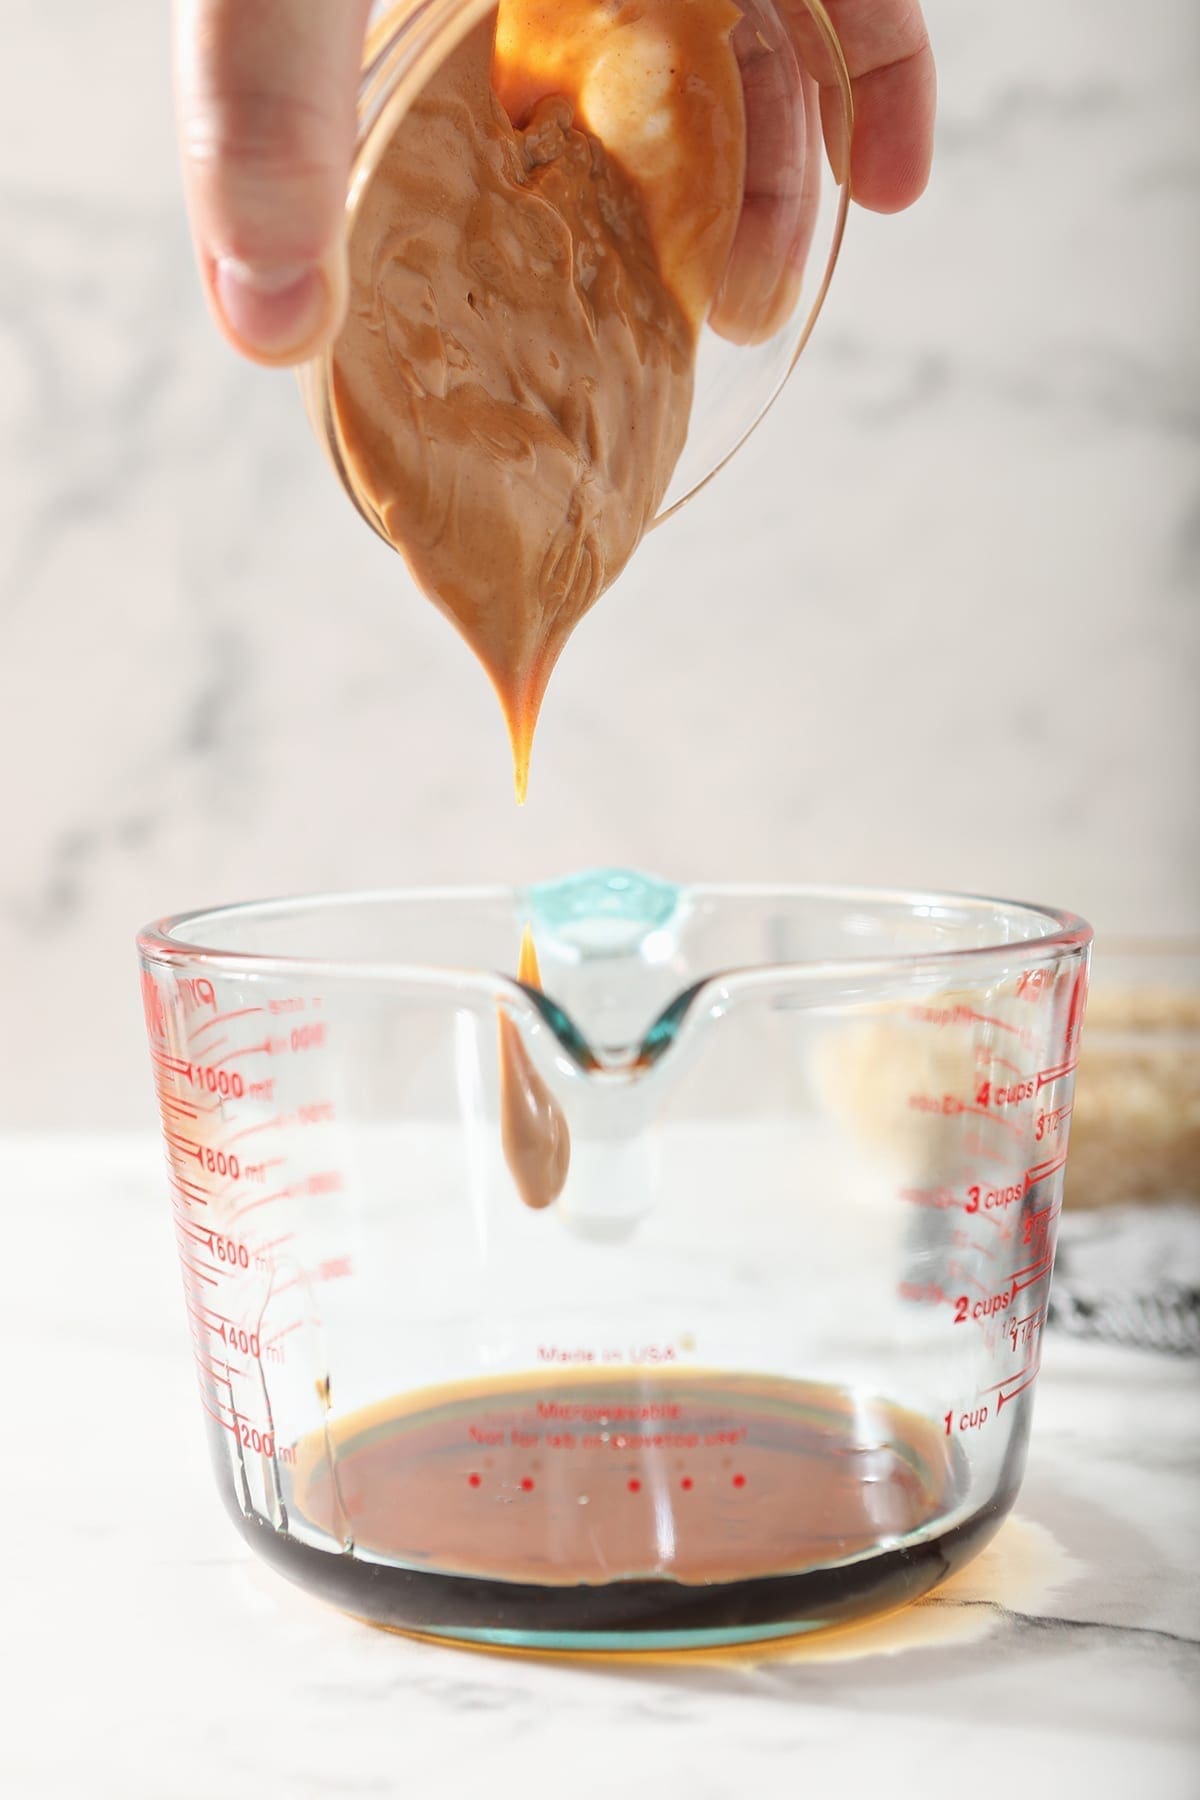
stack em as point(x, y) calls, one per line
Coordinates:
point(146, 1654)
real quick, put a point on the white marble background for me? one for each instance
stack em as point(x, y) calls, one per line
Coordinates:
point(937, 624)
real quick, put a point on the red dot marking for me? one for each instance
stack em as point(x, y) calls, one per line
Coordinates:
point(526, 1484)
point(686, 1482)
point(739, 1481)
point(635, 1487)
point(474, 1480)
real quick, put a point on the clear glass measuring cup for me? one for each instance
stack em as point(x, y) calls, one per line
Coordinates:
point(796, 200)
point(767, 1360)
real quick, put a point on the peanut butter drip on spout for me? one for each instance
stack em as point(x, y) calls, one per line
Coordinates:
point(533, 1128)
point(513, 383)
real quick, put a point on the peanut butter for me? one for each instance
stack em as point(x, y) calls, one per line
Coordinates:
point(533, 1128)
point(513, 383)
point(658, 83)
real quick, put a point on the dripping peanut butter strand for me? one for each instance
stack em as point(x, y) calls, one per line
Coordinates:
point(528, 968)
point(533, 1127)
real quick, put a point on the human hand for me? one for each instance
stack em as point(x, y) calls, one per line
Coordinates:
point(266, 95)
point(894, 89)
point(266, 92)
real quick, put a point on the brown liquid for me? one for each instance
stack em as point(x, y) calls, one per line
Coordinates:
point(599, 1507)
point(533, 1127)
point(513, 383)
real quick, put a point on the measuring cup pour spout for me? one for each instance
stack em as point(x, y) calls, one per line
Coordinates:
point(608, 943)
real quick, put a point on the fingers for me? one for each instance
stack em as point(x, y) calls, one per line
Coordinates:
point(894, 85)
point(266, 98)
point(761, 285)
point(886, 47)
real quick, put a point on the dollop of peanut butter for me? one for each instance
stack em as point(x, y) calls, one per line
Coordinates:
point(513, 383)
point(533, 1127)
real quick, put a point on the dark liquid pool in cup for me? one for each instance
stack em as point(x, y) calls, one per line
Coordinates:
point(626, 1510)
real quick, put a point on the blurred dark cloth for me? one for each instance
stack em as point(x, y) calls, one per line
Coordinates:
point(1130, 1275)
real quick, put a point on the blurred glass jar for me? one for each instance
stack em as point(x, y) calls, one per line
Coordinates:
point(1135, 1131)
point(800, 59)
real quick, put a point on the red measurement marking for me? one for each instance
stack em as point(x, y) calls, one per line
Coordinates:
point(1002, 1062)
point(182, 1200)
point(475, 1480)
point(635, 1486)
point(951, 1107)
point(212, 1314)
point(216, 1416)
point(1050, 1123)
point(286, 1332)
point(1037, 1228)
point(937, 1199)
point(1003, 1399)
point(210, 1369)
point(739, 1481)
point(208, 1280)
point(526, 1484)
point(997, 1385)
point(1042, 1171)
point(336, 1269)
point(1025, 1330)
point(1032, 1273)
point(206, 1112)
point(243, 1012)
point(1046, 1076)
point(213, 1331)
point(997, 1024)
point(276, 1243)
point(263, 1200)
point(246, 1050)
point(187, 1189)
point(183, 1178)
point(225, 1406)
point(177, 1141)
point(960, 1015)
point(168, 1069)
point(177, 1106)
point(249, 1131)
point(178, 1162)
point(981, 1112)
point(686, 1483)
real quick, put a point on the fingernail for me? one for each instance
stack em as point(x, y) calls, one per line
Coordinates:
point(276, 314)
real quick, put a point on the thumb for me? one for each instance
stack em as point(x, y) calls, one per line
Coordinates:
point(266, 95)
